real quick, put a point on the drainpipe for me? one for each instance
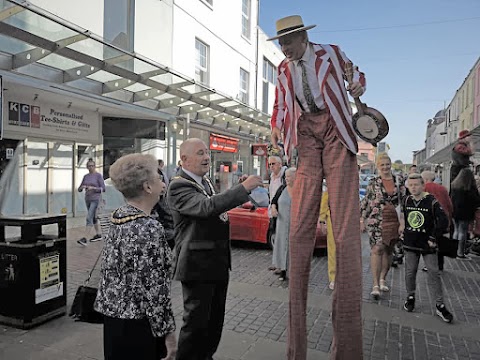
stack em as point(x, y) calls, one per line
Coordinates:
point(256, 56)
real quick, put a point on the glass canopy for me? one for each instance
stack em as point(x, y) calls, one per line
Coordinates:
point(33, 37)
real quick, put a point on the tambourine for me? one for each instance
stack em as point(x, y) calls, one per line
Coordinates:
point(369, 123)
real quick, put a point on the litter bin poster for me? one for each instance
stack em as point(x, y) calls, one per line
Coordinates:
point(49, 271)
point(50, 285)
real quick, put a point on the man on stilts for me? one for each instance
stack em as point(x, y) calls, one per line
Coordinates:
point(313, 112)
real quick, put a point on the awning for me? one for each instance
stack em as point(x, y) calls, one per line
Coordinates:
point(38, 44)
point(445, 155)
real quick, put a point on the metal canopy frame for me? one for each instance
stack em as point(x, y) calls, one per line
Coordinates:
point(79, 55)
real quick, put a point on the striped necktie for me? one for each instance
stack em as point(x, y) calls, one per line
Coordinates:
point(307, 92)
point(206, 186)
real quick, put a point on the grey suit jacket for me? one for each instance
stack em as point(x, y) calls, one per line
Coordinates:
point(202, 244)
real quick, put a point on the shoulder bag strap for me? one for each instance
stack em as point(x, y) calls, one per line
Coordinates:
point(93, 268)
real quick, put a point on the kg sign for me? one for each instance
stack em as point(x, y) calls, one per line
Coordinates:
point(52, 122)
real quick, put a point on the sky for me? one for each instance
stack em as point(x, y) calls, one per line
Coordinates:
point(415, 53)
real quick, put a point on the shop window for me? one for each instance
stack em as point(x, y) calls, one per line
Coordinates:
point(7, 153)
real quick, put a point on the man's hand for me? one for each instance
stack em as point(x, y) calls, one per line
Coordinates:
point(276, 135)
point(252, 182)
point(171, 345)
point(400, 229)
point(362, 227)
point(355, 89)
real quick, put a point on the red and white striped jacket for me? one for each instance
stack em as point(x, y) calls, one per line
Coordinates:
point(330, 69)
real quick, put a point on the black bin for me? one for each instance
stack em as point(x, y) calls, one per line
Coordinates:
point(33, 267)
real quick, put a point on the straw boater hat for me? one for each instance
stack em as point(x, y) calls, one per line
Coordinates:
point(289, 25)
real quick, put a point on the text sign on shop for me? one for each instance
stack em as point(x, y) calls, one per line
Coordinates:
point(52, 121)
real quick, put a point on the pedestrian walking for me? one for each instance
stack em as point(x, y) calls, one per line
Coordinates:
point(281, 204)
point(461, 153)
point(93, 185)
point(202, 248)
point(379, 217)
point(441, 194)
point(465, 200)
point(312, 109)
point(423, 221)
point(277, 180)
point(134, 291)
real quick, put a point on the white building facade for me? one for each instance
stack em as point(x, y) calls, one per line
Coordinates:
point(101, 79)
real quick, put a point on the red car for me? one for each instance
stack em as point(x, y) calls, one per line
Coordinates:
point(250, 223)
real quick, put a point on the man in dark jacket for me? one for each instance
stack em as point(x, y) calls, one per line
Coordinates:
point(461, 153)
point(202, 248)
point(424, 222)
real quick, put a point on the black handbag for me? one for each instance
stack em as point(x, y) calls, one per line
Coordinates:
point(82, 307)
point(447, 246)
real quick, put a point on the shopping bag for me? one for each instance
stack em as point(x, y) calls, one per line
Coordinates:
point(82, 307)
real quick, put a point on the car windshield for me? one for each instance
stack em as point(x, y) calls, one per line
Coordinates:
point(259, 197)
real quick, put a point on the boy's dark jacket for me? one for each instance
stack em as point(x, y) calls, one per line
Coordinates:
point(424, 220)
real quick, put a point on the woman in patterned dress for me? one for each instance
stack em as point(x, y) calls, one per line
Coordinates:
point(379, 218)
point(134, 290)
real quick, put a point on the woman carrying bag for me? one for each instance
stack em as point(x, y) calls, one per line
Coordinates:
point(134, 291)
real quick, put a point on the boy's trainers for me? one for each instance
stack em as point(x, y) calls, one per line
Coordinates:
point(82, 241)
point(409, 305)
point(444, 313)
point(97, 237)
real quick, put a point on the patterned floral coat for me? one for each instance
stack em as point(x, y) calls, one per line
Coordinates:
point(136, 271)
point(372, 205)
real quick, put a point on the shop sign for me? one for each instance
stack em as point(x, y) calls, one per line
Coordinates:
point(259, 149)
point(223, 143)
point(51, 121)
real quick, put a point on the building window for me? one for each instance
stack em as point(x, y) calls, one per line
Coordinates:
point(119, 23)
point(244, 85)
point(268, 78)
point(246, 14)
point(201, 62)
point(269, 71)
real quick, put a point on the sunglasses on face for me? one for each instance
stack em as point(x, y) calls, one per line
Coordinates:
point(272, 164)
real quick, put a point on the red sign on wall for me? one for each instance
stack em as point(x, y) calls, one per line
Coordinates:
point(223, 143)
point(259, 149)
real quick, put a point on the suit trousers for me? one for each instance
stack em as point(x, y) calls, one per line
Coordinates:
point(203, 315)
point(321, 154)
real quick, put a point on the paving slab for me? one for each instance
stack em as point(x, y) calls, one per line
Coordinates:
point(257, 308)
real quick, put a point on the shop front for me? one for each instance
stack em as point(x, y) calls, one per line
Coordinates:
point(46, 144)
point(71, 81)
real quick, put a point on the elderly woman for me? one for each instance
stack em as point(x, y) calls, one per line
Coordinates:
point(281, 210)
point(134, 290)
point(379, 218)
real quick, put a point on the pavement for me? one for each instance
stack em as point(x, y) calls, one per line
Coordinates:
point(257, 308)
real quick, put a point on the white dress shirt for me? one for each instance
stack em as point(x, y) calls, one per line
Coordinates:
point(197, 178)
point(309, 58)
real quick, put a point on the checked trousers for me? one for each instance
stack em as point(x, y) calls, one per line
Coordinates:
point(322, 155)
